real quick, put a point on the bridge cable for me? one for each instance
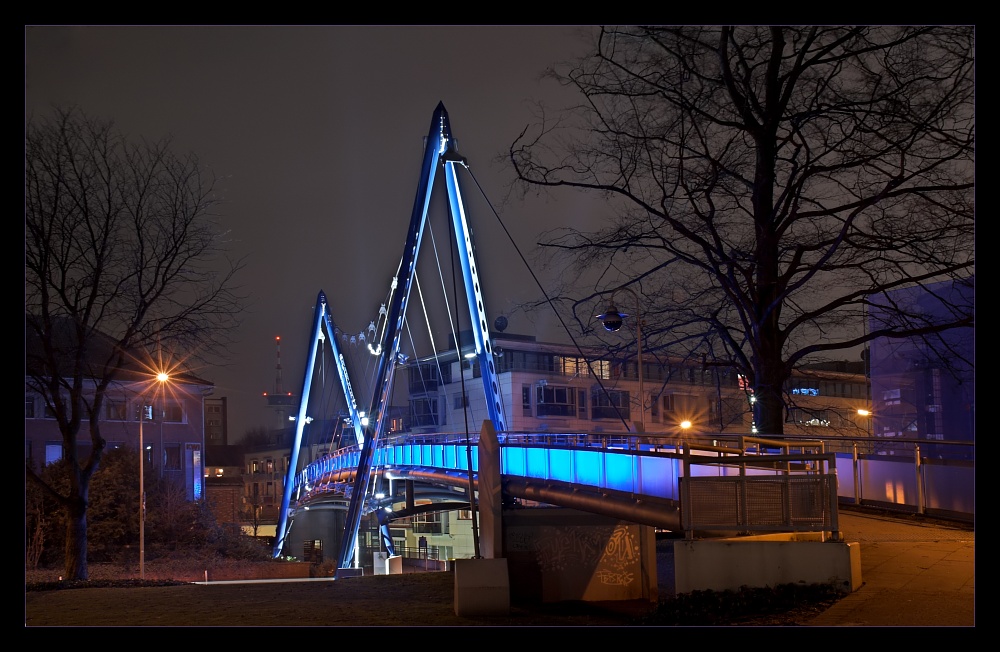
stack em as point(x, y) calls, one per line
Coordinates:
point(548, 299)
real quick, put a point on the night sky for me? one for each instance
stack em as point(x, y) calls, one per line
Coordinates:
point(316, 136)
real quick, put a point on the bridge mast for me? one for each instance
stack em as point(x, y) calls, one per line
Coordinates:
point(439, 150)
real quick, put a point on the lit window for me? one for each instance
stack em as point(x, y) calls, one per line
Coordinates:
point(53, 452)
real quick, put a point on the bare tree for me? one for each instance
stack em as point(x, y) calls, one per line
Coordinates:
point(123, 257)
point(252, 511)
point(766, 184)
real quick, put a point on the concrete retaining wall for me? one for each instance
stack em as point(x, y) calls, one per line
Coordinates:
point(758, 562)
point(556, 554)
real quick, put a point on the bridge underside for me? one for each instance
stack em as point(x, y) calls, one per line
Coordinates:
point(442, 486)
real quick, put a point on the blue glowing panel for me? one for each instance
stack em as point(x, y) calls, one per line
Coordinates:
point(536, 462)
point(618, 472)
point(513, 461)
point(658, 476)
point(452, 459)
point(588, 467)
point(561, 465)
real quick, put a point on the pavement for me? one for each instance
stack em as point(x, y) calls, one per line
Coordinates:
point(915, 572)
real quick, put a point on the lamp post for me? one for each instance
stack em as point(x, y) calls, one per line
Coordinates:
point(613, 320)
point(161, 379)
point(867, 416)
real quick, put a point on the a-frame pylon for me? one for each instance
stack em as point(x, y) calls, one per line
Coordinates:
point(440, 152)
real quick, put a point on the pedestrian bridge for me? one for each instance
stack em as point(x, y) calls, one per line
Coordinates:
point(710, 483)
point(739, 485)
point(705, 489)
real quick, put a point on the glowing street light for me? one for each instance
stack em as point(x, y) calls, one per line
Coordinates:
point(613, 320)
point(161, 378)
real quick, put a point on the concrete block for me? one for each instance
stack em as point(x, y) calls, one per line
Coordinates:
point(343, 573)
point(728, 564)
point(482, 587)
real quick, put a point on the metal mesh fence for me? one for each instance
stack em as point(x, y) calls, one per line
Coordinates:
point(751, 503)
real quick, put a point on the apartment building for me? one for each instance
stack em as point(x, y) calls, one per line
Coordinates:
point(924, 388)
point(169, 417)
point(556, 387)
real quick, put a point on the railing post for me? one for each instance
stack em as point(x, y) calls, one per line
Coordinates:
point(920, 485)
point(684, 483)
point(857, 476)
point(834, 503)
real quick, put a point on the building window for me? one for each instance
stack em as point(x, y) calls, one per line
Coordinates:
point(612, 404)
point(809, 417)
point(460, 401)
point(173, 412)
point(143, 411)
point(465, 514)
point(669, 405)
point(114, 410)
point(49, 412)
point(423, 411)
point(602, 369)
point(555, 401)
point(29, 407)
point(526, 400)
point(172, 457)
point(53, 451)
point(427, 523)
point(581, 403)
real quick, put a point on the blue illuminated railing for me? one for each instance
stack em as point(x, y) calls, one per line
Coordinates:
point(641, 466)
point(573, 459)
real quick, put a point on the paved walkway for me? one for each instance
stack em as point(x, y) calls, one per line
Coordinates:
point(914, 573)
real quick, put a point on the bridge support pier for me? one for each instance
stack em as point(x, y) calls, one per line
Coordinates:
point(482, 587)
point(490, 502)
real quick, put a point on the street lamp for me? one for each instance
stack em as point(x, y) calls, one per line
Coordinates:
point(613, 320)
point(161, 379)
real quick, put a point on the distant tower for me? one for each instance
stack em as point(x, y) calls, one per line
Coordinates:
point(279, 400)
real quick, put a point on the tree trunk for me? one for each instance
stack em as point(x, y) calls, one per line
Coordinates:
point(76, 540)
point(769, 404)
point(768, 412)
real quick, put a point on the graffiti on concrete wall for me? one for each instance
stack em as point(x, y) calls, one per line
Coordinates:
point(615, 550)
point(620, 558)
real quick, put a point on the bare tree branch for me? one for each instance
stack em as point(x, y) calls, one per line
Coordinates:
point(763, 184)
point(124, 257)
